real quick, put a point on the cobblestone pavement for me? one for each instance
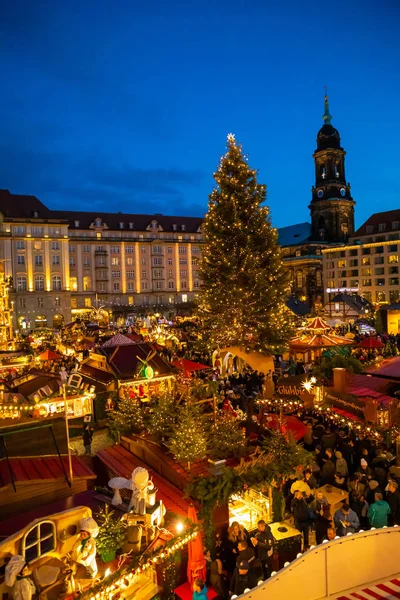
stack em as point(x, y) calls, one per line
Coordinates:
point(100, 440)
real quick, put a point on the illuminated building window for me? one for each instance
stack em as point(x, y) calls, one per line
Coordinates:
point(55, 245)
point(130, 300)
point(184, 298)
point(38, 260)
point(21, 284)
point(57, 302)
point(115, 261)
point(87, 284)
point(56, 283)
point(116, 286)
point(88, 302)
point(393, 258)
point(39, 283)
point(74, 302)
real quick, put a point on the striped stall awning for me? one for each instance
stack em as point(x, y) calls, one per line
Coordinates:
point(390, 590)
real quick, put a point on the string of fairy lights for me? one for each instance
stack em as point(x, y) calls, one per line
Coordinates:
point(119, 581)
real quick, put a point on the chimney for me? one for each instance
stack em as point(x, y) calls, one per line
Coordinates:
point(339, 380)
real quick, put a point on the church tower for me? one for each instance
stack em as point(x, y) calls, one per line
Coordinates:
point(332, 207)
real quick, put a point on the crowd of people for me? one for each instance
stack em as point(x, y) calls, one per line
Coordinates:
point(240, 561)
point(367, 472)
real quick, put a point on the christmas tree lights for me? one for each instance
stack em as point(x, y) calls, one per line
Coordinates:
point(242, 300)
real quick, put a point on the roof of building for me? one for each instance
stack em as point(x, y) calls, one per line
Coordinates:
point(382, 218)
point(389, 368)
point(96, 374)
point(294, 234)
point(121, 463)
point(381, 390)
point(126, 360)
point(41, 468)
point(36, 382)
point(117, 340)
point(356, 302)
point(23, 206)
point(299, 308)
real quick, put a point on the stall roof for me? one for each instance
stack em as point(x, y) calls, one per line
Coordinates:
point(121, 463)
point(41, 468)
point(389, 368)
point(126, 360)
point(95, 373)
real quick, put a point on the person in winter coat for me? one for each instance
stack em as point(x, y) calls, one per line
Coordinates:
point(361, 507)
point(346, 520)
point(341, 465)
point(364, 470)
point(199, 590)
point(263, 542)
point(372, 489)
point(236, 533)
point(393, 499)
point(355, 487)
point(322, 523)
point(378, 512)
point(217, 579)
point(328, 440)
point(241, 580)
point(328, 472)
point(301, 515)
point(245, 552)
point(318, 503)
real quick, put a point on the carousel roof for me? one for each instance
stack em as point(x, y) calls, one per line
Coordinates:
point(318, 324)
point(117, 340)
point(318, 340)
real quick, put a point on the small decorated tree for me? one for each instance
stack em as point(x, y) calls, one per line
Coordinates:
point(162, 417)
point(189, 438)
point(226, 438)
point(128, 416)
point(112, 533)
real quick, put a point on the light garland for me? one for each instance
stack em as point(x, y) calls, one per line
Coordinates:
point(123, 577)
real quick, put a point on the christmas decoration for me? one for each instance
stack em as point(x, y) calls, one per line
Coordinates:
point(189, 441)
point(242, 299)
point(162, 415)
point(226, 438)
point(128, 416)
point(112, 533)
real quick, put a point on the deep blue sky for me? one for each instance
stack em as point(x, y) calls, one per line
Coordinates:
point(125, 105)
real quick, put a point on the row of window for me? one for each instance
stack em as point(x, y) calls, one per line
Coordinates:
point(364, 251)
point(39, 283)
point(143, 300)
point(354, 283)
point(378, 260)
point(40, 302)
point(20, 245)
point(55, 260)
point(130, 249)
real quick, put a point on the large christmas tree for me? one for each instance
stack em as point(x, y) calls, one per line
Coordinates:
point(242, 301)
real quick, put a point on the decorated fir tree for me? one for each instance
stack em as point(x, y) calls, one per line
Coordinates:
point(162, 416)
point(128, 415)
point(227, 438)
point(242, 300)
point(189, 438)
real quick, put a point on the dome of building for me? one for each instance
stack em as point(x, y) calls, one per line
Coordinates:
point(328, 137)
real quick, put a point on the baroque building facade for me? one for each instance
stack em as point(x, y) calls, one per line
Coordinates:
point(61, 264)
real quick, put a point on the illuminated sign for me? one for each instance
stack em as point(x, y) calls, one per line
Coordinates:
point(344, 289)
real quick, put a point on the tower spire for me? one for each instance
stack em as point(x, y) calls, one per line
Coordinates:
point(327, 117)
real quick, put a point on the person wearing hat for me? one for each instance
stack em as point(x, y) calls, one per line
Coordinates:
point(241, 580)
point(84, 550)
point(17, 577)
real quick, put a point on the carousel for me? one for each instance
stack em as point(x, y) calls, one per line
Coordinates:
point(313, 339)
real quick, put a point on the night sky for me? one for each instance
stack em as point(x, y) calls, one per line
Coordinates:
point(125, 105)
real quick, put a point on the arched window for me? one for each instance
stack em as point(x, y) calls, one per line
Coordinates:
point(323, 172)
point(98, 222)
point(39, 540)
point(321, 228)
point(56, 283)
point(21, 283)
point(39, 283)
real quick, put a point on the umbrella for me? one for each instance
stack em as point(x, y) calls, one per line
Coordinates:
point(196, 561)
point(290, 424)
point(370, 343)
point(49, 355)
point(188, 366)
